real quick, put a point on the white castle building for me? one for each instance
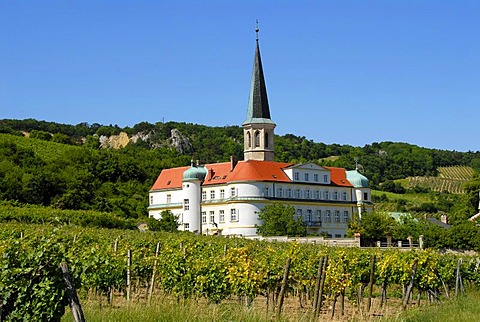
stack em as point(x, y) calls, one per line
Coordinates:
point(226, 198)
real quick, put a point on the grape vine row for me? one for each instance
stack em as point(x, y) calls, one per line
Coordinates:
point(216, 268)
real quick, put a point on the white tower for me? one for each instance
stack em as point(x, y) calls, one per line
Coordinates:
point(192, 197)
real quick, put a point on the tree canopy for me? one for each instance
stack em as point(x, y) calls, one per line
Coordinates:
point(279, 220)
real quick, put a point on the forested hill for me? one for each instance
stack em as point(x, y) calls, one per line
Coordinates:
point(379, 161)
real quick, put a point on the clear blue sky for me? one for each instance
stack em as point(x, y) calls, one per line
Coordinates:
point(346, 72)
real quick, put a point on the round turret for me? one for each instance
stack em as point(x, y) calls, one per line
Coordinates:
point(357, 179)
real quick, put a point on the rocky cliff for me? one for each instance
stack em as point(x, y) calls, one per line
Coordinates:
point(177, 140)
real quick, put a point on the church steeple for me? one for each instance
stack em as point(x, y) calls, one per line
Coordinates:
point(258, 126)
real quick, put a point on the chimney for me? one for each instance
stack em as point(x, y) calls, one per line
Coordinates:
point(444, 219)
point(233, 163)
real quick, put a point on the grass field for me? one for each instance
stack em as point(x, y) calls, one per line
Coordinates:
point(466, 308)
point(462, 310)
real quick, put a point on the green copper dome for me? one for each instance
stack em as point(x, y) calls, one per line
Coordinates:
point(195, 173)
point(357, 179)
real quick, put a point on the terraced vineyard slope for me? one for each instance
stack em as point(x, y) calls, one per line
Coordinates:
point(449, 179)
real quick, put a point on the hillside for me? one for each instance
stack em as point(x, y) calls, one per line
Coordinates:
point(450, 179)
point(71, 166)
point(378, 161)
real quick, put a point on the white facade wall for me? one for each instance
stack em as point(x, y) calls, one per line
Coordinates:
point(248, 201)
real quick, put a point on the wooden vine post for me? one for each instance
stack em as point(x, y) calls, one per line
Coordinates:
point(317, 287)
point(458, 279)
point(371, 282)
point(73, 300)
point(410, 286)
point(322, 284)
point(284, 287)
point(155, 263)
point(129, 282)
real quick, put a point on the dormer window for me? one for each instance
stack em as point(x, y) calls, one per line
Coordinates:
point(306, 176)
point(296, 176)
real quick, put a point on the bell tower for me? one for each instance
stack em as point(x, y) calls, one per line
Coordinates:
point(258, 128)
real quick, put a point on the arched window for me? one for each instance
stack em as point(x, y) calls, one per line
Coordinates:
point(266, 140)
point(257, 138)
point(249, 140)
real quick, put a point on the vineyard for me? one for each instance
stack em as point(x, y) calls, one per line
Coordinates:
point(134, 265)
point(449, 179)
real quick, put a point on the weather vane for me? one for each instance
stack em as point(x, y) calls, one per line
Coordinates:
point(257, 30)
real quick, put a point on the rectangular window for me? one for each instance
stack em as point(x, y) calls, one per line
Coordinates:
point(169, 198)
point(328, 216)
point(289, 193)
point(232, 192)
point(365, 196)
point(335, 195)
point(187, 226)
point(327, 196)
point(204, 217)
point(280, 192)
point(233, 215)
point(212, 217)
point(222, 216)
point(315, 177)
point(212, 194)
point(306, 176)
point(266, 191)
point(325, 178)
point(296, 176)
point(319, 216)
point(337, 216)
point(222, 194)
point(338, 236)
point(307, 194)
point(186, 204)
point(204, 195)
point(317, 194)
point(345, 216)
point(309, 215)
point(298, 194)
point(151, 200)
point(344, 196)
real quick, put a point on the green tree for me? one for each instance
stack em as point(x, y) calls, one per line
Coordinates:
point(373, 225)
point(279, 220)
point(42, 135)
point(168, 222)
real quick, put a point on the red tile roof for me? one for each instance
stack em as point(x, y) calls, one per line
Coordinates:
point(338, 176)
point(219, 173)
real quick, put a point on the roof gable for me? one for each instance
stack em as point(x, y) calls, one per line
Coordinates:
point(308, 166)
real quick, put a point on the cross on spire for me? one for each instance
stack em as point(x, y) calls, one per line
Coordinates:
point(257, 30)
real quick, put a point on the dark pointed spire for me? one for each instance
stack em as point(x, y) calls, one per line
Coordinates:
point(258, 110)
